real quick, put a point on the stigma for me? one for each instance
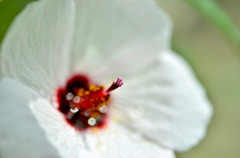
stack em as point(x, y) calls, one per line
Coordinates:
point(83, 104)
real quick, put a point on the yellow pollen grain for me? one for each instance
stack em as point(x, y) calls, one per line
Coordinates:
point(95, 114)
point(80, 92)
point(91, 87)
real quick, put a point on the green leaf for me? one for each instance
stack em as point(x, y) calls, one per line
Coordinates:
point(213, 12)
point(8, 10)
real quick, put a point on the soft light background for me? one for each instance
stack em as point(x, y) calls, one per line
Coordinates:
point(215, 60)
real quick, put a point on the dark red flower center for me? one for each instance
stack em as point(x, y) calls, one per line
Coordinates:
point(83, 104)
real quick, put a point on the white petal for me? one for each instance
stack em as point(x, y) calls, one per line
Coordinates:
point(112, 142)
point(65, 138)
point(167, 103)
point(118, 142)
point(112, 36)
point(20, 134)
point(36, 48)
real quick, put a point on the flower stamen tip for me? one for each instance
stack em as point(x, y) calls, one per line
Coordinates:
point(119, 82)
point(116, 84)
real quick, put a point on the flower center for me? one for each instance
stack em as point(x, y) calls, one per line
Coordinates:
point(83, 104)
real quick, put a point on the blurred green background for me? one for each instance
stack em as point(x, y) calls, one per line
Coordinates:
point(215, 60)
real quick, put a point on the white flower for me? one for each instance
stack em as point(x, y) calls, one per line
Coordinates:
point(160, 108)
